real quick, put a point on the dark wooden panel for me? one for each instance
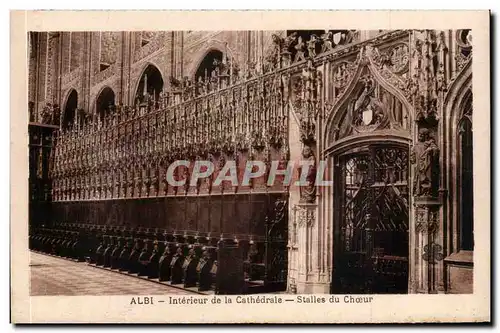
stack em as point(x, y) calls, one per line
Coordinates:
point(160, 214)
point(113, 213)
point(228, 216)
point(150, 212)
point(230, 276)
point(242, 214)
point(203, 214)
point(191, 212)
point(179, 212)
point(215, 215)
point(259, 211)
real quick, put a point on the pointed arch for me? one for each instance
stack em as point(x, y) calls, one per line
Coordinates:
point(337, 112)
point(206, 63)
point(70, 106)
point(457, 90)
point(155, 82)
point(104, 101)
point(457, 103)
point(211, 45)
point(465, 178)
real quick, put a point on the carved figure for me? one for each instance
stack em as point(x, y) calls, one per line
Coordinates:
point(308, 190)
point(327, 41)
point(284, 44)
point(425, 157)
point(311, 46)
point(301, 50)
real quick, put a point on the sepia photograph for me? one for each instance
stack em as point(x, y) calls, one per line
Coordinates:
point(333, 164)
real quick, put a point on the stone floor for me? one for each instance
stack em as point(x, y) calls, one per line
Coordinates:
point(56, 276)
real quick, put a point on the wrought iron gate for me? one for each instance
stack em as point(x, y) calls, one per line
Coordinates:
point(371, 238)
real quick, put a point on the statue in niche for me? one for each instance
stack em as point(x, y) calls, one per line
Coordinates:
point(425, 157)
point(308, 190)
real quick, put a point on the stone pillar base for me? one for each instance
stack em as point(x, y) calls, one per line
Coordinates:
point(313, 288)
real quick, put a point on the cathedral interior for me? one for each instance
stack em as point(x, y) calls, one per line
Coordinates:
point(388, 111)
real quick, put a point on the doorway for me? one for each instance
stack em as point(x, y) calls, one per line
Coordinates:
point(371, 243)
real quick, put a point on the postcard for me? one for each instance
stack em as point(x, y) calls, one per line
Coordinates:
point(250, 167)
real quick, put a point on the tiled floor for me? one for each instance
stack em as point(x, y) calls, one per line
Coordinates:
point(57, 276)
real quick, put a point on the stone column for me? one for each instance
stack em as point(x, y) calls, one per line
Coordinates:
point(428, 252)
point(293, 237)
point(426, 243)
point(305, 227)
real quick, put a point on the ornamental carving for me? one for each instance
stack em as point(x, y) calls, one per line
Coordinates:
point(370, 107)
point(342, 75)
point(308, 190)
point(428, 74)
point(382, 61)
point(228, 119)
point(399, 58)
point(426, 220)
point(368, 112)
point(295, 48)
point(464, 47)
point(307, 94)
point(306, 216)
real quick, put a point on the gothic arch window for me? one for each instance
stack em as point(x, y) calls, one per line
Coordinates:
point(70, 110)
point(105, 102)
point(208, 64)
point(151, 82)
point(465, 176)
